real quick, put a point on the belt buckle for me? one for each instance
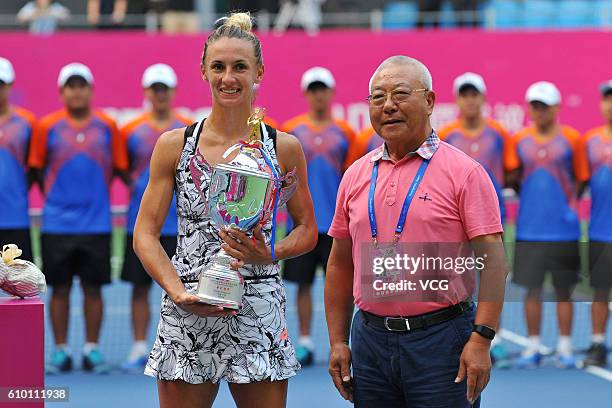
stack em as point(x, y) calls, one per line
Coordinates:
point(395, 330)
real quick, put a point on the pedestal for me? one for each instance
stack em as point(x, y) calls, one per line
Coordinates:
point(22, 350)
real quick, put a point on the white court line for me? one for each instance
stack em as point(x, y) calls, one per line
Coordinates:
point(599, 372)
point(521, 340)
point(524, 341)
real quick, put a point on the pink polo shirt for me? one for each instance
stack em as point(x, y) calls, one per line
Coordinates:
point(457, 203)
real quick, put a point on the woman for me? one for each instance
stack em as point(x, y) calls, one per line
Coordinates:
point(197, 345)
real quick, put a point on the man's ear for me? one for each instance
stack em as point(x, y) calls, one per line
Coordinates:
point(430, 97)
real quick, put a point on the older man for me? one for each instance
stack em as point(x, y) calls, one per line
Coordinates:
point(408, 352)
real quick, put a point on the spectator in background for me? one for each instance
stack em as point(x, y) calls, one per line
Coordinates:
point(42, 15)
point(140, 135)
point(75, 153)
point(306, 13)
point(548, 169)
point(327, 144)
point(106, 13)
point(484, 140)
point(368, 140)
point(599, 154)
point(15, 132)
point(180, 17)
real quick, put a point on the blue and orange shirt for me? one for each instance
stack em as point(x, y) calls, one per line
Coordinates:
point(551, 169)
point(599, 154)
point(368, 140)
point(78, 161)
point(487, 148)
point(15, 134)
point(140, 136)
point(327, 156)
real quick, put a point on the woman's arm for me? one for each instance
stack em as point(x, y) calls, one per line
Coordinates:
point(303, 237)
point(151, 216)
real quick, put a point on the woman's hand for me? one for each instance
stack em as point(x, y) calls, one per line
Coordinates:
point(245, 249)
point(191, 303)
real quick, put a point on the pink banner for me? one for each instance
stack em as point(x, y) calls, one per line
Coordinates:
point(576, 61)
point(509, 61)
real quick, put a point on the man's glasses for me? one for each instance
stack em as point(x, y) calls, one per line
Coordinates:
point(378, 99)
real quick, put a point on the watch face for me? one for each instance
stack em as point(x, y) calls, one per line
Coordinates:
point(484, 331)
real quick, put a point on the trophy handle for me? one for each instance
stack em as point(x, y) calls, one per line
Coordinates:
point(196, 175)
point(290, 181)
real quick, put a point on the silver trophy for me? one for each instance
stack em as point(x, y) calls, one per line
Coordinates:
point(243, 193)
point(18, 277)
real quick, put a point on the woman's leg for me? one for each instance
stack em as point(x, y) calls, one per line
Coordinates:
point(262, 394)
point(182, 394)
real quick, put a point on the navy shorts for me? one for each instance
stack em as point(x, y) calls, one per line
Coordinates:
point(302, 269)
point(600, 264)
point(415, 369)
point(533, 260)
point(66, 255)
point(133, 271)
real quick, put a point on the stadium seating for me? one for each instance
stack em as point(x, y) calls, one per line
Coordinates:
point(447, 15)
point(577, 13)
point(400, 15)
point(603, 13)
point(541, 13)
point(507, 13)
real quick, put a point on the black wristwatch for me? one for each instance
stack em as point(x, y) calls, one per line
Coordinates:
point(484, 331)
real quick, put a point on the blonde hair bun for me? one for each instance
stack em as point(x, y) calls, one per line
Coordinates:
point(242, 20)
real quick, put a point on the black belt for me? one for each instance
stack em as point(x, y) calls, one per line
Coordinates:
point(404, 324)
point(246, 278)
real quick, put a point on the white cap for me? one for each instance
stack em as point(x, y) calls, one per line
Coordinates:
point(7, 73)
point(74, 69)
point(469, 78)
point(318, 74)
point(159, 74)
point(545, 92)
point(606, 87)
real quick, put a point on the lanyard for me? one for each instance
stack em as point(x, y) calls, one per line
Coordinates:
point(407, 201)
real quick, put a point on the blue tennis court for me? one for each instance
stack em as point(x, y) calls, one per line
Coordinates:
point(546, 386)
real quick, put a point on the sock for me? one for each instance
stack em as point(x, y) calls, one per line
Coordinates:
point(564, 346)
point(88, 347)
point(533, 347)
point(599, 338)
point(307, 342)
point(139, 349)
point(63, 347)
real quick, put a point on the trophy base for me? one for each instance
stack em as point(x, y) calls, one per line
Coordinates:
point(221, 286)
point(224, 303)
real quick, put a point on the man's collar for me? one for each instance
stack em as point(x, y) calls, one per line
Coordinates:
point(426, 150)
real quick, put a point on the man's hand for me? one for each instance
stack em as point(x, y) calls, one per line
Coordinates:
point(475, 363)
point(340, 369)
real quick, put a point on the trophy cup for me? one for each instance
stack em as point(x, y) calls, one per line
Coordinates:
point(243, 193)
